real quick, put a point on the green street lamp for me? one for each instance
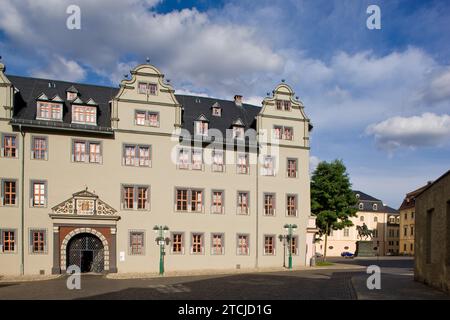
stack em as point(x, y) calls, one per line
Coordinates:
point(283, 238)
point(290, 228)
point(161, 241)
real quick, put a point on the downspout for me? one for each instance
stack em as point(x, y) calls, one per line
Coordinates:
point(257, 199)
point(22, 222)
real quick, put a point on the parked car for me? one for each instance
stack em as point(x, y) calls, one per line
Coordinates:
point(318, 255)
point(347, 254)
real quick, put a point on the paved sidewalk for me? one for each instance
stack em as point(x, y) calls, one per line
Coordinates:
point(335, 266)
point(396, 284)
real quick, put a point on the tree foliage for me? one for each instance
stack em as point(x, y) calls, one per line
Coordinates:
point(332, 199)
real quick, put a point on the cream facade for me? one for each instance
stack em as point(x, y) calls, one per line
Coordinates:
point(371, 212)
point(89, 192)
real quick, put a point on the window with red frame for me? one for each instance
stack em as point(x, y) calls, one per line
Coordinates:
point(242, 164)
point(9, 193)
point(9, 146)
point(177, 243)
point(84, 114)
point(217, 202)
point(182, 199)
point(269, 245)
point(9, 241)
point(217, 244)
point(242, 245)
point(39, 194)
point(291, 205)
point(292, 168)
point(38, 241)
point(196, 200)
point(142, 193)
point(242, 202)
point(269, 204)
point(128, 197)
point(197, 243)
point(137, 243)
point(39, 148)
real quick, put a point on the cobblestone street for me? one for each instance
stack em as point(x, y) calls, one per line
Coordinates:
point(396, 281)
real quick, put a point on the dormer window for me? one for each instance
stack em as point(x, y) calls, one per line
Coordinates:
point(375, 207)
point(216, 110)
point(238, 129)
point(238, 132)
point(49, 111)
point(84, 114)
point(71, 93)
point(201, 128)
point(147, 88)
point(361, 206)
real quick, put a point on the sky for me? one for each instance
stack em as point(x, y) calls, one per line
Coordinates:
point(378, 99)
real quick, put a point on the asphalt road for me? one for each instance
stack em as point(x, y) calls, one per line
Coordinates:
point(304, 285)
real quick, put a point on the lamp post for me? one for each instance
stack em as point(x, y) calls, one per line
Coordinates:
point(290, 228)
point(161, 241)
point(283, 238)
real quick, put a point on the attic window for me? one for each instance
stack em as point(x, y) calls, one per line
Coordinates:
point(361, 206)
point(238, 132)
point(84, 114)
point(201, 128)
point(375, 207)
point(71, 96)
point(216, 110)
point(49, 111)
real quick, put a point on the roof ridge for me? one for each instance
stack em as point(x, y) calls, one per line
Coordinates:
point(72, 83)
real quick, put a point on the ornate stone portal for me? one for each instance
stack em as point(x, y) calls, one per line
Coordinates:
point(84, 213)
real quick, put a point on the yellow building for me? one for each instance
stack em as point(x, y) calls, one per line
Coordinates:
point(407, 222)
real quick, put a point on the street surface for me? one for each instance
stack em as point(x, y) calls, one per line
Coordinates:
point(320, 283)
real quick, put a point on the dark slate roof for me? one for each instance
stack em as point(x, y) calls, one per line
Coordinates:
point(193, 106)
point(390, 210)
point(364, 196)
point(368, 202)
point(31, 88)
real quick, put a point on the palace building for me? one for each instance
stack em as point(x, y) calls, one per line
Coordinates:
point(88, 171)
point(378, 217)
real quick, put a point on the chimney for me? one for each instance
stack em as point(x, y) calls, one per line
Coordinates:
point(238, 100)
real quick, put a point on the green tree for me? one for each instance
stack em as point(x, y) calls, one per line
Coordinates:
point(332, 199)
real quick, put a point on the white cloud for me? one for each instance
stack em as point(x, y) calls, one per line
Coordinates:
point(427, 130)
point(186, 45)
point(61, 69)
point(313, 163)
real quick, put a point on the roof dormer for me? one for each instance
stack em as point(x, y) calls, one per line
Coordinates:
point(238, 128)
point(42, 97)
point(72, 93)
point(84, 112)
point(216, 110)
point(201, 125)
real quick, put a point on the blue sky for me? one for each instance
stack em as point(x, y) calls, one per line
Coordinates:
point(379, 99)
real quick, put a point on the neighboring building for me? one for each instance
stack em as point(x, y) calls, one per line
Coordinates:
point(374, 214)
point(87, 172)
point(432, 258)
point(392, 232)
point(407, 222)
